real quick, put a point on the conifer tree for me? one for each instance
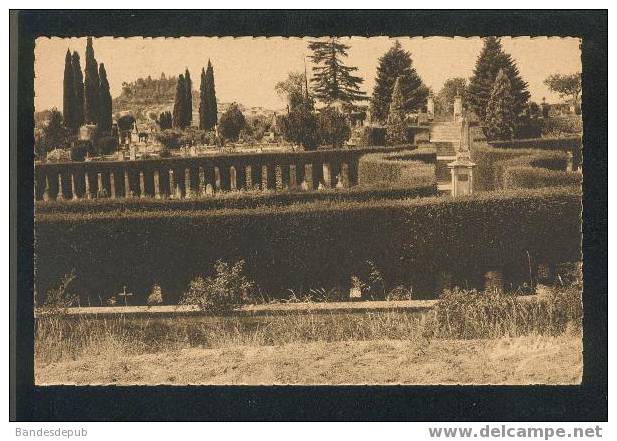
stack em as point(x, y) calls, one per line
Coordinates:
point(68, 95)
point(396, 129)
point(211, 115)
point(91, 85)
point(179, 112)
point(500, 117)
point(492, 58)
point(78, 90)
point(188, 84)
point(202, 100)
point(396, 63)
point(332, 80)
point(104, 114)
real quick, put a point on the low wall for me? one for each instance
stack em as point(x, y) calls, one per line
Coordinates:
point(190, 176)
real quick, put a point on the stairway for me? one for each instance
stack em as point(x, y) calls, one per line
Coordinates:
point(445, 132)
point(445, 138)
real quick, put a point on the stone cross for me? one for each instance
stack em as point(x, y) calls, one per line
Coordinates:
point(125, 295)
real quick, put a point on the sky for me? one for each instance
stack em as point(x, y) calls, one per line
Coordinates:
point(246, 69)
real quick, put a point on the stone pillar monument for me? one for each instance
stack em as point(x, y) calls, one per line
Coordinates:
point(430, 106)
point(461, 169)
point(458, 108)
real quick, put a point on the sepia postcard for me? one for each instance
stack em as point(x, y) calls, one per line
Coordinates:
point(387, 210)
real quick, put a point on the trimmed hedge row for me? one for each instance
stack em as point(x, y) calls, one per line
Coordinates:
point(306, 246)
point(236, 200)
point(406, 169)
point(499, 168)
point(376, 136)
point(566, 144)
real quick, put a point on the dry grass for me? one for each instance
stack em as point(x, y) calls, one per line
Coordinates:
point(469, 338)
point(520, 360)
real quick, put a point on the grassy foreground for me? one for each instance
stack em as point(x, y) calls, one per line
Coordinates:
point(469, 338)
point(519, 360)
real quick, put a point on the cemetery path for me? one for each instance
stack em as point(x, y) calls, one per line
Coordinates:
point(523, 360)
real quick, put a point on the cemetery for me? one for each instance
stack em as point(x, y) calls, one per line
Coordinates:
point(390, 217)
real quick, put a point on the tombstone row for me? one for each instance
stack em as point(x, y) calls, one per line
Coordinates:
point(189, 182)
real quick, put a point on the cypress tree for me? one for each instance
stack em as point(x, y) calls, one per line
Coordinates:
point(78, 89)
point(500, 111)
point(188, 117)
point(179, 112)
point(104, 113)
point(490, 61)
point(210, 99)
point(332, 80)
point(68, 95)
point(396, 129)
point(394, 64)
point(91, 85)
point(202, 100)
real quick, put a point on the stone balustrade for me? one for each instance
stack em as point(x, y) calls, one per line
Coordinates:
point(203, 176)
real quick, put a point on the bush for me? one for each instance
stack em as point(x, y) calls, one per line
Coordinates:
point(79, 152)
point(170, 139)
point(562, 126)
point(59, 155)
point(311, 245)
point(404, 169)
point(232, 122)
point(493, 314)
point(106, 145)
point(156, 295)
point(333, 127)
point(220, 294)
point(499, 168)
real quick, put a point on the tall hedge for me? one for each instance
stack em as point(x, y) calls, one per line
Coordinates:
point(308, 245)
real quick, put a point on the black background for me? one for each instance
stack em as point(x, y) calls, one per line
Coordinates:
point(364, 403)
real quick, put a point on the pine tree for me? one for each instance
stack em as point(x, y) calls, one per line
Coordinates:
point(68, 95)
point(210, 99)
point(332, 80)
point(91, 85)
point(491, 60)
point(188, 84)
point(202, 100)
point(78, 89)
point(396, 129)
point(396, 63)
point(104, 114)
point(179, 112)
point(500, 111)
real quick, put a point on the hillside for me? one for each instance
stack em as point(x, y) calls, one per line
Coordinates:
point(147, 97)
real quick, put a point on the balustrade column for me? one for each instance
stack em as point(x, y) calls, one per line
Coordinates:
point(202, 182)
point(60, 195)
point(100, 190)
point(317, 174)
point(293, 182)
point(73, 189)
point(285, 176)
point(327, 174)
point(87, 185)
point(187, 183)
point(127, 184)
point(142, 185)
point(217, 179)
point(172, 185)
point(233, 182)
point(307, 183)
point(46, 191)
point(112, 184)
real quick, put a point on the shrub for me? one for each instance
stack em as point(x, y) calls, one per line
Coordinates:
point(220, 294)
point(562, 126)
point(156, 295)
point(300, 127)
point(170, 139)
point(232, 122)
point(59, 155)
point(107, 145)
point(404, 169)
point(58, 299)
point(79, 152)
point(462, 314)
point(310, 245)
point(520, 168)
point(333, 127)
